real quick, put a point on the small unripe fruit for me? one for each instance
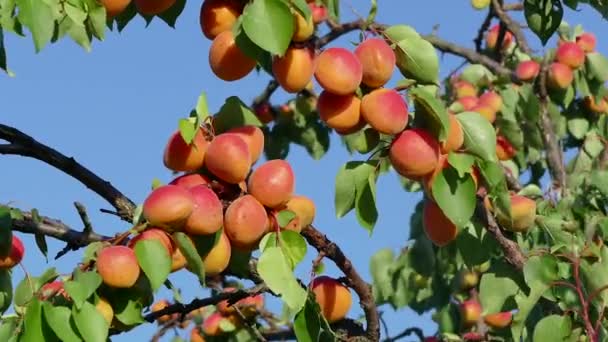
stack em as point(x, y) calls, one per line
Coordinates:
point(303, 29)
point(464, 89)
point(153, 7)
point(153, 234)
point(498, 320)
point(455, 136)
point(168, 207)
point(338, 71)
point(340, 112)
point(208, 214)
point(470, 312)
point(190, 180)
point(15, 256)
point(273, 183)
point(228, 158)
point(414, 153)
point(334, 298)
point(492, 38)
point(181, 156)
point(217, 16)
point(523, 214)
point(560, 76)
point(114, 7)
point(377, 60)
point(385, 110)
point(293, 71)
point(468, 279)
point(527, 70)
point(227, 61)
point(438, 227)
point(586, 41)
point(245, 222)
point(117, 266)
point(504, 149)
point(570, 54)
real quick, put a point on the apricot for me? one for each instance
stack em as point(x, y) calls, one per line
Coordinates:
point(377, 60)
point(303, 29)
point(117, 266)
point(560, 76)
point(114, 7)
point(245, 221)
point(319, 13)
point(195, 335)
point(217, 16)
point(293, 71)
point(211, 325)
point(105, 309)
point(178, 260)
point(53, 289)
point(340, 112)
point(338, 71)
point(180, 156)
point(218, 258)
point(527, 70)
point(492, 38)
point(168, 207)
point(468, 279)
point(249, 306)
point(190, 180)
point(504, 149)
point(593, 106)
point(586, 41)
point(15, 255)
point(305, 211)
point(470, 312)
point(455, 136)
point(254, 137)
point(228, 158)
point(208, 214)
point(430, 178)
point(159, 305)
point(468, 102)
point(414, 153)
point(385, 110)
point(153, 7)
point(153, 234)
point(438, 227)
point(570, 54)
point(498, 320)
point(334, 298)
point(226, 59)
point(492, 100)
point(273, 183)
point(523, 214)
point(464, 89)
point(486, 111)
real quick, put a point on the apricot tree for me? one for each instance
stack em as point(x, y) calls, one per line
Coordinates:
point(493, 254)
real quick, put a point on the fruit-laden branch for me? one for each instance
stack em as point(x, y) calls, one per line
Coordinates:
point(354, 280)
point(24, 145)
point(512, 26)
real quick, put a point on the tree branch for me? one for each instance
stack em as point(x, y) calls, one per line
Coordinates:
point(512, 26)
point(407, 332)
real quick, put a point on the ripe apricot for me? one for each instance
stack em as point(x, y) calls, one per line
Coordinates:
point(455, 136)
point(208, 214)
point(486, 111)
point(228, 158)
point(15, 255)
point(180, 156)
point(217, 16)
point(168, 207)
point(385, 110)
point(254, 137)
point(105, 309)
point(211, 325)
point(338, 71)
point(195, 335)
point(273, 183)
point(334, 298)
point(218, 258)
point(178, 260)
point(190, 180)
point(52, 289)
point(117, 266)
point(319, 13)
point(377, 60)
point(523, 214)
point(153, 7)
point(245, 221)
point(470, 311)
point(492, 38)
point(303, 29)
point(468, 102)
point(464, 89)
point(527, 70)
point(560, 76)
point(586, 41)
point(592, 105)
point(570, 54)
point(293, 71)
point(491, 99)
point(226, 59)
point(340, 112)
point(438, 228)
point(498, 320)
point(504, 149)
point(305, 211)
point(153, 234)
point(414, 153)
point(114, 7)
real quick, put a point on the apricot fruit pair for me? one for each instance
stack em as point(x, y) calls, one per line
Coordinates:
point(492, 38)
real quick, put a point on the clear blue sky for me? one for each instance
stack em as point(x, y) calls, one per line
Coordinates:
point(114, 108)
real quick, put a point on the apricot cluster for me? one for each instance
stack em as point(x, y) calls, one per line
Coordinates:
point(146, 7)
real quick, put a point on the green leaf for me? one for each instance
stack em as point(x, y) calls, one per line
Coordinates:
point(462, 162)
point(6, 290)
point(543, 17)
point(597, 65)
point(91, 324)
point(37, 16)
point(127, 307)
point(302, 7)
point(365, 204)
point(294, 246)
point(33, 322)
point(42, 246)
point(477, 74)
point(276, 273)
point(397, 33)
point(380, 269)
point(494, 290)
point(345, 193)
point(96, 21)
point(479, 135)
point(455, 195)
point(170, 15)
point(234, 113)
point(188, 129)
point(417, 59)
point(82, 287)
point(284, 217)
point(202, 109)
point(61, 322)
point(154, 260)
point(307, 323)
point(431, 112)
point(269, 24)
point(8, 326)
point(578, 126)
point(6, 231)
point(195, 263)
point(552, 328)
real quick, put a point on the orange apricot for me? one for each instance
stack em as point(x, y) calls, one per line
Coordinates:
point(338, 71)
point(303, 29)
point(178, 260)
point(190, 180)
point(218, 258)
point(319, 13)
point(570, 54)
point(168, 207)
point(340, 112)
point(414, 153)
point(592, 105)
point(152, 233)
point(385, 110)
point(560, 76)
point(293, 71)
point(492, 100)
point(470, 311)
point(464, 89)
point(437, 227)
point(523, 214)
point(226, 59)
point(228, 158)
point(305, 210)
point(377, 60)
point(195, 335)
point(217, 16)
point(117, 266)
point(468, 102)
point(455, 137)
point(527, 70)
point(504, 149)
point(486, 111)
point(208, 214)
point(245, 222)
point(254, 137)
point(498, 320)
point(273, 183)
point(334, 298)
point(114, 7)
point(586, 41)
point(153, 7)
point(492, 38)
point(181, 156)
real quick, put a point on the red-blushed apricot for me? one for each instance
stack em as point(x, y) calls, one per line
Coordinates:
point(470, 312)
point(153, 7)
point(498, 320)
point(263, 112)
point(486, 111)
point(105, 309)
point(190, 180)
point(303, 29)
point(338, 71)
point(195, 335)
point(414, 153)
point(245, 222)
point(385, 110)
point(228, 158)
point(227, 61)
point(570, 54)
point(438, 227)
point(293, 71)
point(52, 289)
point(378, 62)
point(208, 214)
point(217, 16)
point(492, 100)
point(181, 156)
point(334, 298)
point(117, 266)
point(593, 106)
point(468, 102)
point(211, 325)
point(254, 137)
point(455, 136)
point(178, 260)
point(159, 305)
point(586, 41)
point(305, 211)
point(152, 233)
point(319, 13)
point(272, 183)
point(523, 214)
point(168, 207)
point(218, 258)
point(504, 149)
point(114, 7)
point(340, 112)
point(560, 76)
point(464, 89)
point(492, 38)
point(15, 255)
point(527, 70)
